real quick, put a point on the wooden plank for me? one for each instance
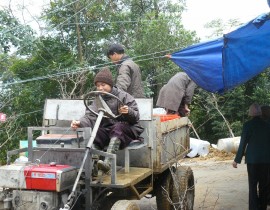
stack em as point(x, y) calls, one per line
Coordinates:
point(124, 180)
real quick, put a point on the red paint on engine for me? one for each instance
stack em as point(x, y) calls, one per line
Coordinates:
point(43, 176)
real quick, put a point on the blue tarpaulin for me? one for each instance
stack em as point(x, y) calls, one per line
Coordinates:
point(222, 64)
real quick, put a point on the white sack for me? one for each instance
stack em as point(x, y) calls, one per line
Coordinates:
point(198, 147)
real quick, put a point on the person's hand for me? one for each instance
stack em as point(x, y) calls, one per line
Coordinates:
point(168, 56)
point(234, 164)
point(187, 110)
point(123, 109)
point(75, 124)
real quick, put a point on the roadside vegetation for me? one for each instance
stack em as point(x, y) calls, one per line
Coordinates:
point(62, 62)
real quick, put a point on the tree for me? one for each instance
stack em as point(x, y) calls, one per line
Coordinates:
point(14, 36)
point(145, 28)
point(219, 27)
point(233, 105)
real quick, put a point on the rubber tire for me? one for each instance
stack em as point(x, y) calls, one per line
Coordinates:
point(105, 203)
point(184, 195)
point(125, 205)
point(183, 190)
point(164, 189)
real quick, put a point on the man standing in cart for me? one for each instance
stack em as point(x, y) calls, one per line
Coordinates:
point(128, 76)
point(176, 95)
point(115, 133)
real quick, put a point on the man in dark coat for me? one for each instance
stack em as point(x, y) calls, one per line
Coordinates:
point(128, 76)
point(176, 95)
point(266, 117)
point(114, 133)
point(255, 144)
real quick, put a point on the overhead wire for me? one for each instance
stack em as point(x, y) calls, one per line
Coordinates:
point(110, 22)
point(79, 12)
point(32, 21)
point(57, 9)
point(79, 70)
point(83, 69)
point(75, 14)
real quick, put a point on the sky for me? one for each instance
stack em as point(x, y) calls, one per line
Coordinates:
point(199, 12)
point(26, 10)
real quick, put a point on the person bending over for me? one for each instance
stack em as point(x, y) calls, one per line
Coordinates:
point(176, 95)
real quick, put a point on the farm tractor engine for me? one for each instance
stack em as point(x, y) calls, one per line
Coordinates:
point(32, 187)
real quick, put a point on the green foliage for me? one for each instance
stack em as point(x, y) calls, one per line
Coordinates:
point(233, 105)
point(155, 36)
point(219, 27)
point(14, 35)
point(62, 63)
point(24, 101)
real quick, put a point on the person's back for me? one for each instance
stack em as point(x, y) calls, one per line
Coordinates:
point(128, 76)
point(176, 95)
point(257, 134)
point(255, 144)
point(133, 85)
point(266, 117)
point(266, 113)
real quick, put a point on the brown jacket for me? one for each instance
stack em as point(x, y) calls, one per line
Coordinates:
point(129, 77)
point(179, 90)
point(132, 118)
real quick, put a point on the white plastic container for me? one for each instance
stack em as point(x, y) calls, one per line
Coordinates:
point(198, 147)
point(159, 111)
point(229, 144)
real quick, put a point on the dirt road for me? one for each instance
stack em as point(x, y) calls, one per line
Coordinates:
point(218, 186)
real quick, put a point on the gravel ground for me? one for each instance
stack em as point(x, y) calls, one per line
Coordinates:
point(218, 186)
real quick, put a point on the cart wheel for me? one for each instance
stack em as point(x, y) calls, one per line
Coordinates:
point(176, 190)
point(104, 203)
point(185, 193)
point(125, 205)
point(164, 192)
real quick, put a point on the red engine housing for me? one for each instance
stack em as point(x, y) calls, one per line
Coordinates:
point(49, 177)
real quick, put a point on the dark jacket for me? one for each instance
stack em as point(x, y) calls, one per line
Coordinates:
point(132, 118)
point(255, 139)
point(178, 90)
point(129, 78)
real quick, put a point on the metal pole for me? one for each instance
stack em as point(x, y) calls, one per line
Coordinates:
point(72, 196)
point(94, 132)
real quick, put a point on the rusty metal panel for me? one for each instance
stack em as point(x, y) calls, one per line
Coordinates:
point(172, 139)
point(143, 156)
point(60, 109)
point(174, 144)
point(168, 141)
point(12, 176)
point(60, 156)
point(33, 200)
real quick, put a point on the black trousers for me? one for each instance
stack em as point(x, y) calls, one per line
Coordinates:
point(120, 130)
point(258, 180)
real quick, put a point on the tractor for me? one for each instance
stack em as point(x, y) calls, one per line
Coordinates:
point(58, 171)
